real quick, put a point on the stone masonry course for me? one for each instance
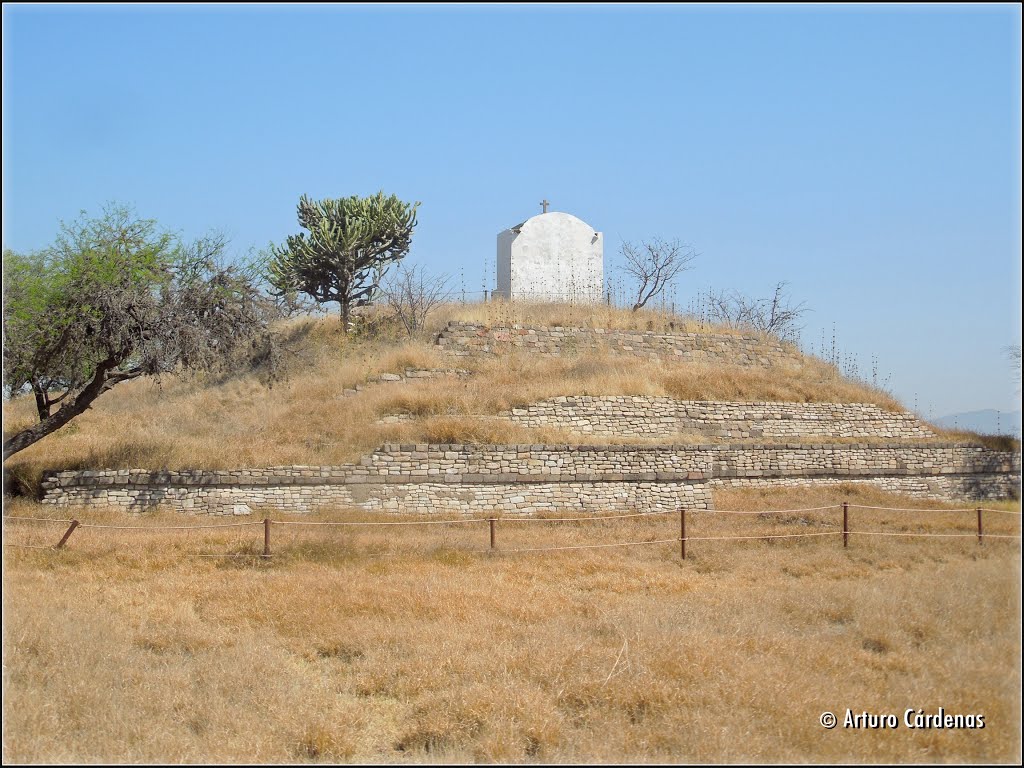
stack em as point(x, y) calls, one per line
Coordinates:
point(535, 478)
point(476, 340)
point(637, 416)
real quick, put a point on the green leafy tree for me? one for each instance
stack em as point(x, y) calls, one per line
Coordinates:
point(350, 244)
point(114, 298)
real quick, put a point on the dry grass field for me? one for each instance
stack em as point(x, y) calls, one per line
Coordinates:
point(415, 644)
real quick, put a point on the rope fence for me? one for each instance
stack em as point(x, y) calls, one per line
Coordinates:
point(762, 537)
point(492, 522)
point(945, 535)
point(768, 511)
point(466, 521)
point(589, 546)
point(22, 518)
point(914, 509)
point(581, 519)
point(167, 527)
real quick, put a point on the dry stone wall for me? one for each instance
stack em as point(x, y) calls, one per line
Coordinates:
point(626, 416)
point(472, 339)
point(938, 487)
point(537, 478)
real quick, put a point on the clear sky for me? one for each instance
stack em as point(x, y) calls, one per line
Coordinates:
point(869, 155)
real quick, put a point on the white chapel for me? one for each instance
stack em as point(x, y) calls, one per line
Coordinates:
point(551, 257)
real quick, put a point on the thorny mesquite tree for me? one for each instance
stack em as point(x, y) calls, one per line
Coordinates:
point(654, 266)
point(114, 299)
point(350, 245)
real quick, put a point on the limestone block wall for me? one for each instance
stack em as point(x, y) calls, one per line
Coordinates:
point(626, 416)
point(939, 487)
point(859, 460)
point(415, 478)
point(944, 472)
point(472, 339)
point(532, 463)
point(533, 478)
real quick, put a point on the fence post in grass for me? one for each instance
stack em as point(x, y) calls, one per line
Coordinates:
point(492, 521)
point(682, 532)
point(979, 526)
point(266, 537)
point(67, 535)
point(846, 523)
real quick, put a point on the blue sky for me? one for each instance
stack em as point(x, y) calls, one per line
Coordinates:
point(869, 155)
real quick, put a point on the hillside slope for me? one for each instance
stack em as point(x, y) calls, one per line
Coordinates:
point(314, 415)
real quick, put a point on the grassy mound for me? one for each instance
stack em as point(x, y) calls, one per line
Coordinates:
point(306, 418)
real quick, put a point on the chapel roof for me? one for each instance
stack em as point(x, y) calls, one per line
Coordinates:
point(518, 227)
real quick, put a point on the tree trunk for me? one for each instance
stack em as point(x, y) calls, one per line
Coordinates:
point(101, 381)
point(344, 316)
point(42, 405)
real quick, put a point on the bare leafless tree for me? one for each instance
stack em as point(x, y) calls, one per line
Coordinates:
point(775, 315)
point(412, 293)
point(654, 265)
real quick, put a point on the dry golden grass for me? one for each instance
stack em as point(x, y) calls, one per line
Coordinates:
point(305, 419)
point(551, 314)
point(993, 442)
point(413, 644)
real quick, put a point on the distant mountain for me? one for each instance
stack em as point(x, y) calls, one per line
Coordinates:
point(987, 422)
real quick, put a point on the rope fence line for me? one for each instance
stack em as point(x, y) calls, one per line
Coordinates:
point(910, 509)
point(372, 524)
point(588, 546)
point(492, 522)
point(767, 511)
point(945, 535)
point(36, 519)
point(481, 520)
point(766, 536)
point(580, 519)
point(167, 527)
point(915, 509)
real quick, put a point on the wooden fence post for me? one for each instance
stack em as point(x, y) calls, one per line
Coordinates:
point(682, 532)
point(492, 522)
point(846, 523)
point(67, 535)
point(979, 526)
point(266, 537)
